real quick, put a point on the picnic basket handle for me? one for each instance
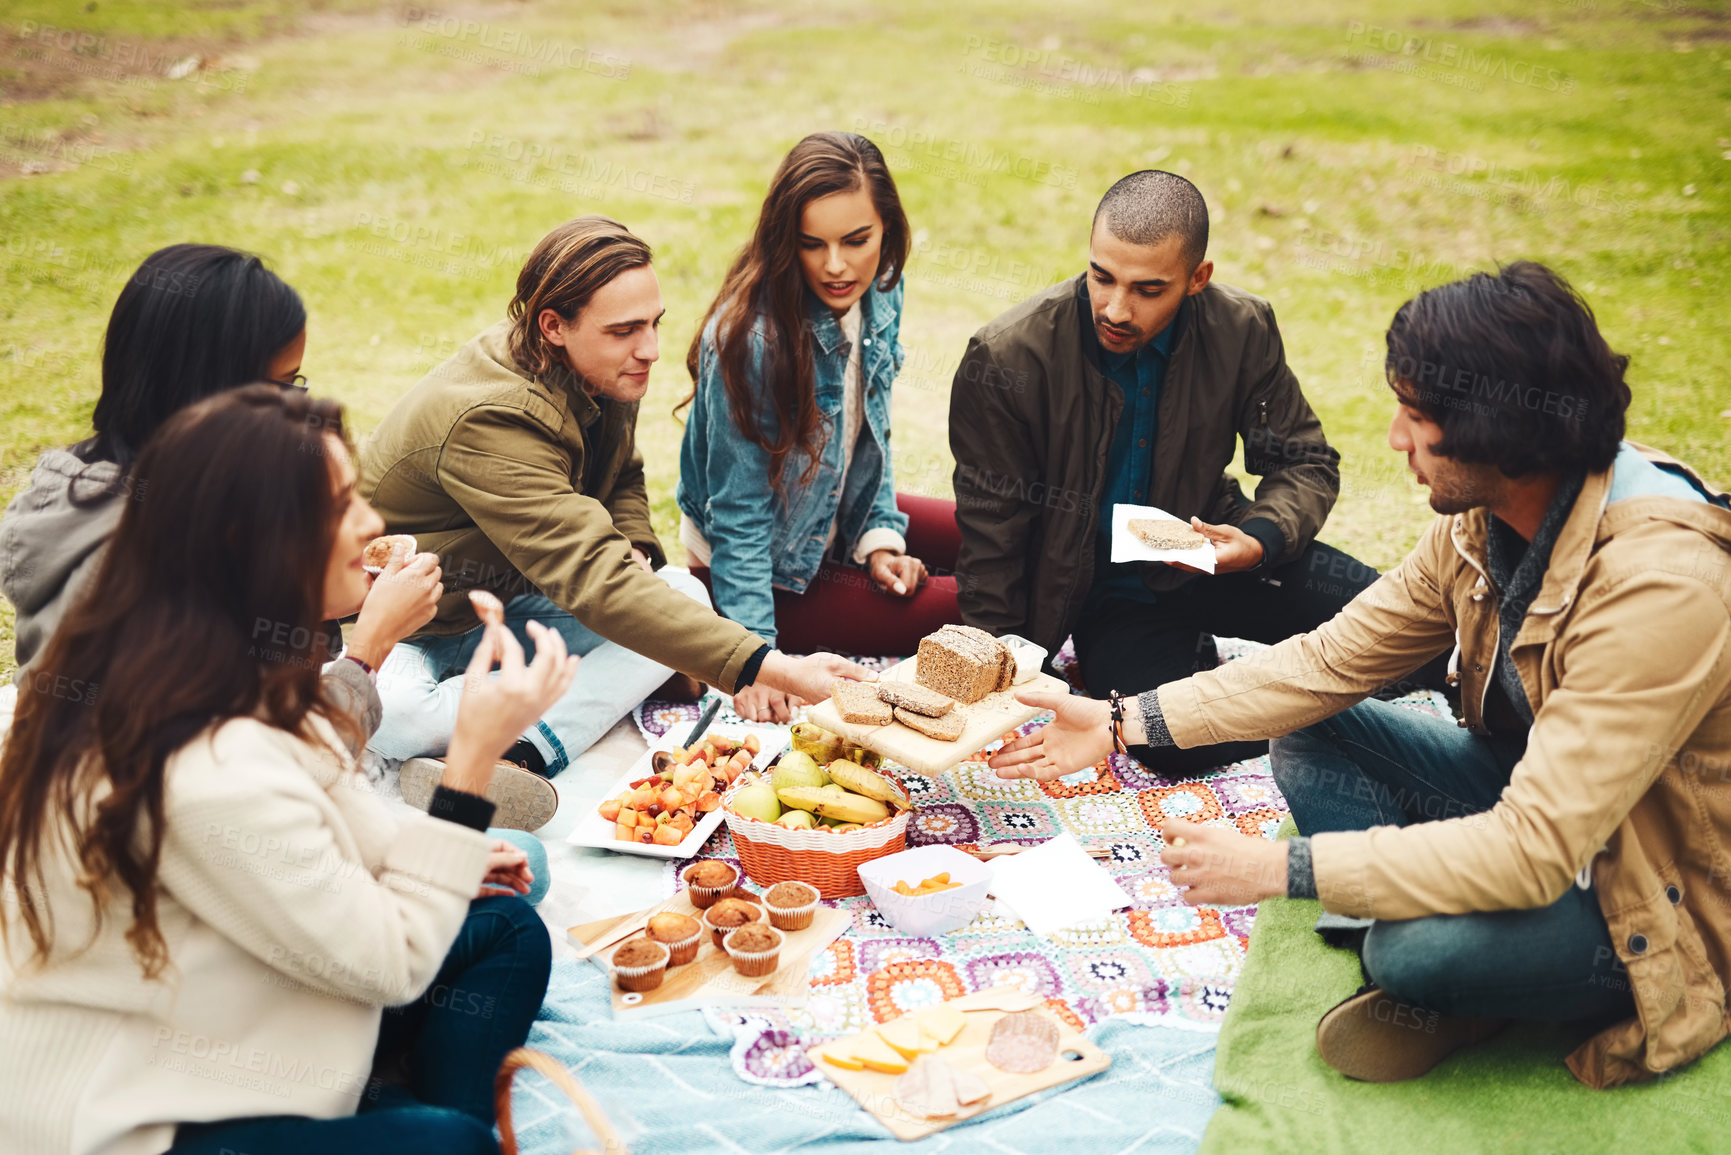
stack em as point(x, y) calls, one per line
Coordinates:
point(555, 1071)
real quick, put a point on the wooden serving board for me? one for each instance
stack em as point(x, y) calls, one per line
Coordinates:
point(876, 1091)
point(709, 980)
point(988, 720)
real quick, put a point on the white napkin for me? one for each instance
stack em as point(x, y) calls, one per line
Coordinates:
point(1054, 886)
point(1126, 546)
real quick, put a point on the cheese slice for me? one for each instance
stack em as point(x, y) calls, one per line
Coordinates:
point(839, 1056)
point(942, 1023)
point(871, 1051)
point(904, 1035)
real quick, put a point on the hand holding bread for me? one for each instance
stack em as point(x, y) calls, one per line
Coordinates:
point(404, 597)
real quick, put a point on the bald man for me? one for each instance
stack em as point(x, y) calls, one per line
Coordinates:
point(1133, 383)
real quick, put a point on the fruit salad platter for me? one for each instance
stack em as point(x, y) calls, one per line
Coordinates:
point(669, 802)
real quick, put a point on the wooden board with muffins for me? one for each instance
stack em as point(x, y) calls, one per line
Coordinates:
point(935, 709)
point(713, 944)
point(940, 1066)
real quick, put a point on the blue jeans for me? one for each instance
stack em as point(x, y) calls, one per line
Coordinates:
point(422, 682)
point(537, 852)
point(1377, 765)
point(450, 1042)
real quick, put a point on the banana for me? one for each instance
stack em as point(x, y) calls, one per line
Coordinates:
point(834, 802)
point(859, 779)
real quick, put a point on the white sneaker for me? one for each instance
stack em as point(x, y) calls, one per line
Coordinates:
point(525, 800)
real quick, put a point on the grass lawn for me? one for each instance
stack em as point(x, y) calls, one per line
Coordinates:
point(396, 165)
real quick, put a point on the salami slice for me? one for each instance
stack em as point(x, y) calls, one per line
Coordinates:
point(1023, 1044)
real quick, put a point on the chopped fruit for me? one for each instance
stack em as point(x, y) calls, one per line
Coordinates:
point(642, 798)
point(904, 1035)
point(710, 801)
point(943, 1023)
point(871, 1051)
point(669, 835)
point(610, 810)
point(753, 745)
point(671, 799)
point(687, 785)
point(624, 833)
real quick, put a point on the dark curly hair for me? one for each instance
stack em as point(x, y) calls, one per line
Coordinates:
point(1514, 369)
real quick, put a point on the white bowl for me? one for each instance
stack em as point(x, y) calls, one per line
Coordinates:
point(930, 914)
point(1029, 657)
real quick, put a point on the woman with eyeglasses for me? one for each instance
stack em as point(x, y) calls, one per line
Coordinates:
point(193, 321)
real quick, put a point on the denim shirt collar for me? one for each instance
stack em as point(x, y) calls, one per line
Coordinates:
point(826, 328)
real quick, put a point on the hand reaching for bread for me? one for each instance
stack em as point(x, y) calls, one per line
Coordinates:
point(808, 677)
point(403, 598)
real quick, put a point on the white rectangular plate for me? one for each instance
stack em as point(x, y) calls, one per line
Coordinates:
point(594, 830)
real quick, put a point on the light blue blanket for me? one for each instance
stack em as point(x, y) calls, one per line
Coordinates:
point(667, 1085)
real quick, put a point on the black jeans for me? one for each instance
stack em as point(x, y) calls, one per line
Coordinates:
point(449, 1043)
point(1132, 646)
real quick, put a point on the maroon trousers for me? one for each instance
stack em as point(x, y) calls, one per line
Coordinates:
point(844, 611)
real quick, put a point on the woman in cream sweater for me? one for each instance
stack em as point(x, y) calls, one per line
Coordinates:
point(206, 912)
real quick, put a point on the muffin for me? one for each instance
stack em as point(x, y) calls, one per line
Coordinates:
point(730, 914)
point(709, 881)
point(755, 949)
point(680, 933)
point(377, 554)
point(791, 905)
point(640, 964)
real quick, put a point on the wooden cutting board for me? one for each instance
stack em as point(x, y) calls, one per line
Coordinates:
point(709, 980)
point(875, 1091)
point(988, 720)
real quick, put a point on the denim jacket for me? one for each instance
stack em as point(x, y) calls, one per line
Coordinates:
point(759, 539)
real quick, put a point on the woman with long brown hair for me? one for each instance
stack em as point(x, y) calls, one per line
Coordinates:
point(207, 910)
point(791, 515)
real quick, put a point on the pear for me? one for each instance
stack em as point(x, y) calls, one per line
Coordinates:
point(796, 820)
point(757, 800)
point(834, 802)
point(852, 776)
point(797, 769)
point(816, 743)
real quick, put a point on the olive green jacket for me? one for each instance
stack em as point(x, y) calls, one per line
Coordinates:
point(520, 486)
point(1625, 654)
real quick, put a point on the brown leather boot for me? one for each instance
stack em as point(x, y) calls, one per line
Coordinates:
point(1376, 1038)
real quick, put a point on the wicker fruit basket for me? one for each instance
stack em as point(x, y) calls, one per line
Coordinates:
point(827, 859)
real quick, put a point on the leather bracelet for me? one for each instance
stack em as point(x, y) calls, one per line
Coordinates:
point(1116, 725)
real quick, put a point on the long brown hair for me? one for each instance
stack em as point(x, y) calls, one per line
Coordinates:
point(766, 280)
point(565, 270)
point(206, 606)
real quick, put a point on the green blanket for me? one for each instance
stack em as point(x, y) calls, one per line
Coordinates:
point(1511, 1093)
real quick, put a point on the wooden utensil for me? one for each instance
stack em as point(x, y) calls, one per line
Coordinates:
point(631, 924)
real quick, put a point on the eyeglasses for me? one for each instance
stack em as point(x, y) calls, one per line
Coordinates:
point(298, 381)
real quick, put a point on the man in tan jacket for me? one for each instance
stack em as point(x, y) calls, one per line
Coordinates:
point(1563, 854)
point(516, 462)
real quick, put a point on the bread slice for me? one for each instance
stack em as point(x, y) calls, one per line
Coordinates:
point(858, 703)
point(1158, 533)
point(919, 699)
point(946, 728)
